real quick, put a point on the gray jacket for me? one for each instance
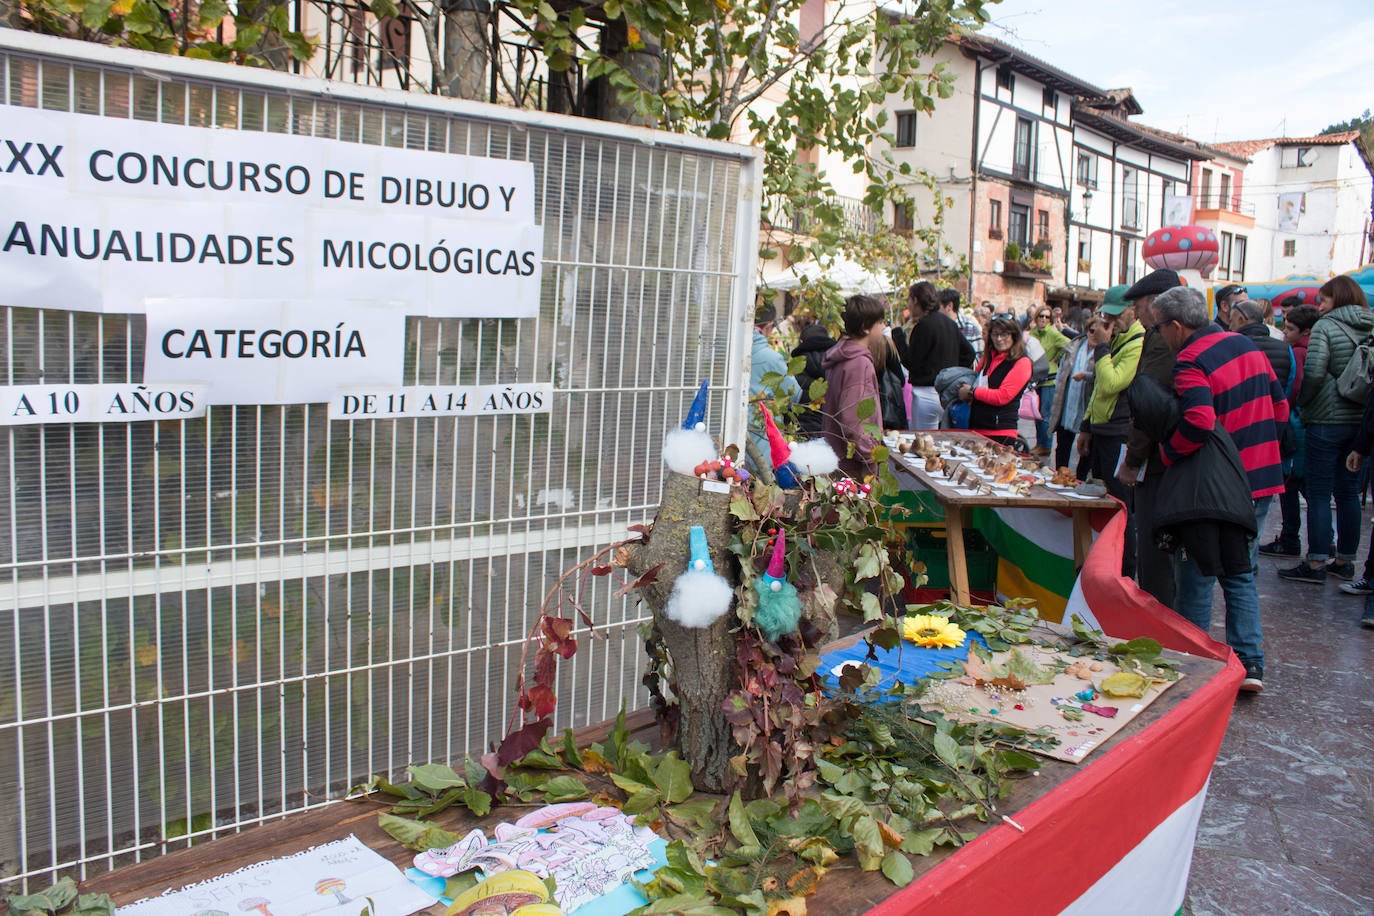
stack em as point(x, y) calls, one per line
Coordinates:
point(1329, 349)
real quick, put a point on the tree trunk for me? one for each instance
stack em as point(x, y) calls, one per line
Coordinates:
point(702, 659)
point(466, 49)
point(643, 64)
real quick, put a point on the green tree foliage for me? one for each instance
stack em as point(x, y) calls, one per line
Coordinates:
point(253, 32)
point(744, 69)
point(1364, 124)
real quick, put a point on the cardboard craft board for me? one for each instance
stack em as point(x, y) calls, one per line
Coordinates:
point(1040, 704)
point(344, 877)
point(593, 853)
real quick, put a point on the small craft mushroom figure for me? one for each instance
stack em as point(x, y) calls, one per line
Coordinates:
point(335, 886)
point(700, 596)
point(779, 606)
point(255, 903)
point(685, 449)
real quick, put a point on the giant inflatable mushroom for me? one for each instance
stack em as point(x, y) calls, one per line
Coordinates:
point(1183, 248)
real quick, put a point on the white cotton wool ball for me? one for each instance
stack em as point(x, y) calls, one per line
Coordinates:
point(699, 599)
point(684, 449)
point(814, 456)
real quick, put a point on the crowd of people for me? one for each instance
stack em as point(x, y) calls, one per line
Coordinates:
point(1195, 423)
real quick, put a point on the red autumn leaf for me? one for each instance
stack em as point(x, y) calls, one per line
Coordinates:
point(556, 627)
point(539, 700)
point(545, 668)
point(520, 742)
point(639, 529)
point(649, 577)
point(600, 570)
point(558, 636)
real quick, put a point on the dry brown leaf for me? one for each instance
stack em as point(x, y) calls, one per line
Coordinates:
point(991, 675)
point(891, 838)
point(804, 882)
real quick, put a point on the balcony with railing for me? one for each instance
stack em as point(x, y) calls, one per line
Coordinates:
point(855, 215)
point(1229, 203)
point(503, 66)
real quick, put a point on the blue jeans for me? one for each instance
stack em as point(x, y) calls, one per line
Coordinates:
point(1327, 446)
point(1193, 598)
point(1042, 426)
point(1290, 535)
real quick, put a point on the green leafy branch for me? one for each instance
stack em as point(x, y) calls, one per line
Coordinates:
point(61, 898)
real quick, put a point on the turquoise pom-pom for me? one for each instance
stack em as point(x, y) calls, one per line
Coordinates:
point(779, 607)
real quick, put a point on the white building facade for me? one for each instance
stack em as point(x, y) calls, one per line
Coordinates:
point(1124, 176)
point(1001, 151)
point(1312, 199)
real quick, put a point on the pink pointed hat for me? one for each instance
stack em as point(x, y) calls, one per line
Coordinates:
point(777, 445)
point(777, 565)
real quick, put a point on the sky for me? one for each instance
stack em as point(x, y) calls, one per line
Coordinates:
point(1213, 70)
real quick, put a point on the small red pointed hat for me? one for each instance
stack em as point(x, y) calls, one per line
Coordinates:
point(779, 450)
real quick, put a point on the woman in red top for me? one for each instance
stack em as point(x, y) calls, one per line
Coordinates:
point(1003, 374)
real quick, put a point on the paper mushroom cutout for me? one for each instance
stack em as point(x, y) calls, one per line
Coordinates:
point(1183, 248)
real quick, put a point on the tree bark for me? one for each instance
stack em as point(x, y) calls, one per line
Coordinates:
point(466, 49)
point(643, 64)
point(702, 659)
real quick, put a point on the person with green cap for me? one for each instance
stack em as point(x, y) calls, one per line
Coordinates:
point(1108, 420)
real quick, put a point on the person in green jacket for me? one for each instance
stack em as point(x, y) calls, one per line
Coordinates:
point(1053, 340)
point(1108, 418)
point(1108, 421)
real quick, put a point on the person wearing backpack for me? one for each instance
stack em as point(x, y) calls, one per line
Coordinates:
point(1331, 421)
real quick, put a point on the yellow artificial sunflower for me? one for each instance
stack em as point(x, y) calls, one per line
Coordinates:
point(932, 632)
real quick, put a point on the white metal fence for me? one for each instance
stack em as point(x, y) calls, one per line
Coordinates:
point(209, 623)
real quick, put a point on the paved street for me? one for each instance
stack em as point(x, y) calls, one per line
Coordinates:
point(1289, 821)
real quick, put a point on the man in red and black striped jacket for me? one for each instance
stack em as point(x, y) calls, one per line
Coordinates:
point(1222, 379)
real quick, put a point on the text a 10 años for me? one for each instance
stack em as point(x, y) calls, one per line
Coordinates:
point(119, 403)
point(442, 401)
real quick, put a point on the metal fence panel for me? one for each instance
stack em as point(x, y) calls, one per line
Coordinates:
point(210, 623)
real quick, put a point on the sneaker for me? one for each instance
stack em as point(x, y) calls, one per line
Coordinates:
point(1275, 548)
point(1341, 569)
point(1040, 451)
point(1254, 679)
point(1303, 573)
point(1360, 586)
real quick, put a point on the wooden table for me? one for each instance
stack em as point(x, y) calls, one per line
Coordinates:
point(956, 505)
point(845, 890)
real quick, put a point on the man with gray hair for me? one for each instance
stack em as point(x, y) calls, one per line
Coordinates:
point(1221, 378)
point(1247, 320)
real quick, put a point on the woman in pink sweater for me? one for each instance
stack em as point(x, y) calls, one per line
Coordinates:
point(850, 382)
